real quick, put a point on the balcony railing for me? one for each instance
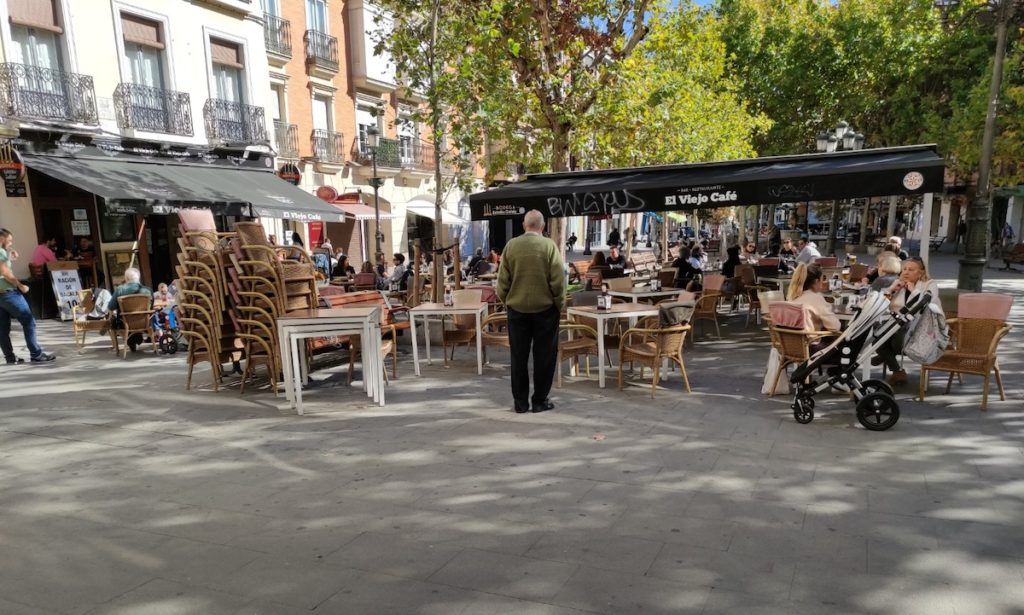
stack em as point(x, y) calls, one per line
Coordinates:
point(388, 153)
point(34, 93)
point(328, 146)
point(417, 156)
point(277, 35)
point(144, 108)
point(286, 139)
point(234, 122)
point(321, 50)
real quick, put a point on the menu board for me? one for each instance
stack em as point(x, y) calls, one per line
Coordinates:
point(66, 284)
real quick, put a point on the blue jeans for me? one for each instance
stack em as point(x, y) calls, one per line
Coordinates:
point(13, 305)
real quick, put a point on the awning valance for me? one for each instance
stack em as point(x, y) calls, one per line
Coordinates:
point(916, 169)
point(427, 211)
point(358, 211)
point(162, 188)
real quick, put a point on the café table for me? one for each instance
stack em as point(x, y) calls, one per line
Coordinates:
point(294, 327)
point(425, 310)
point(644, 292)
point(781, 280)
point(633, 311)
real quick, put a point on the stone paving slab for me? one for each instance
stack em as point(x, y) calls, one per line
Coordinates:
point(123, 493)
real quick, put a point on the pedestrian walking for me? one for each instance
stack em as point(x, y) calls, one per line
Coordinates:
point(13, 305)
point(1007, 235)
point(531, 284)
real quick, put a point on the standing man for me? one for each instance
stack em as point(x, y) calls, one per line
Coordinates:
point(13, 305)
point(531, 284)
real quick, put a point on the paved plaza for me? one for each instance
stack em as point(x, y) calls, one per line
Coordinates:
point(123, 493)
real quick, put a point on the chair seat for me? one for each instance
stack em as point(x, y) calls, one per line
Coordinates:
point(957, 361)
point(577, 345)
point(646, 349)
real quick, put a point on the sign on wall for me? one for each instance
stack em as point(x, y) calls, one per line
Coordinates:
point(66, 284)
point(13, 170)
point(80, 227)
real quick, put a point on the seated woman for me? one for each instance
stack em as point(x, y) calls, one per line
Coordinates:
point(686, 276)
point(750, 255)
point(913, 280)
point(805, 289)
point(697, 258)
point(342, 269)
point(732, 259)
point(887, 272)
point(873, 272)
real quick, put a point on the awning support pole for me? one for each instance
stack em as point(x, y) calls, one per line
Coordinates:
point(926, 228)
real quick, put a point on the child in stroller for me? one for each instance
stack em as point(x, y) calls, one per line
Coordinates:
point(165, 321)
point(836, 365)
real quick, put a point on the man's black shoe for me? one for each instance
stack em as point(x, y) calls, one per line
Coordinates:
point(543, 406)
point(521, 409)
point(876, 360)
point(15, 361)
point(44, 358)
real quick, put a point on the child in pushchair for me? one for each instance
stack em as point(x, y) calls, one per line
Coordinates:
point(165, 328)
point(836, 365)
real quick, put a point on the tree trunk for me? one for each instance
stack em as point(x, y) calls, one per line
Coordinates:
point(559, 162)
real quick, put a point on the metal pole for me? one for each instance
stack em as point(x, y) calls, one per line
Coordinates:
point(830, 247)
point(376, 208)
point(979, 214)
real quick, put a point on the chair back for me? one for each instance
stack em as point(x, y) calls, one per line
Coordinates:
point(467, 297)
point(788, 315)
point(986, 306)
point(827, 261)
point(365, 280)
point(858, 272)
point(596, 278)
point(713, 281)
point(767, 297)
point(685, 296)
point(619, 284)
point(771, 261)
point(746, 274)
point(135, 311)
point(197, 220)
point(670, 340)
point(950, 300)
point(86, 302)
point(667, 277)
point(707, 304)
point(768, 271)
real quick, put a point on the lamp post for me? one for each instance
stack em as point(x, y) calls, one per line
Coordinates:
point(843, 137)
point(979, 213)
point(373, 142)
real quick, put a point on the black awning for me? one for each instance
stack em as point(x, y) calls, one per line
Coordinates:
point(913, 169)
point(159, 188)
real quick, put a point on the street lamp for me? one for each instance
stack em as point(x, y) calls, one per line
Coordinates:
point(843, 137)
point(372, 143)
point(979, 214)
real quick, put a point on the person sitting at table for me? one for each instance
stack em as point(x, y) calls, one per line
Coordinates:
point(132, 286)
point(342, 269)
point(808, 251)
point(895, 245)
point(697, 258)
point(477, 257)
point(749, 255)
point(83, 249)
point(872, 274)
point(913, 280)
point(806, 289)
point(45, 252)
point(397, 276)
point(616, 263)
point(494, 257)
point(732, 259)
point(787, 250)
point(888, 271)
point(686, 275)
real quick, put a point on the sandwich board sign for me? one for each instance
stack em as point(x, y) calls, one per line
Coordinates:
point(66, 284)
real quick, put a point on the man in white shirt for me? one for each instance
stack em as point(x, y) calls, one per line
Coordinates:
point(808, 251)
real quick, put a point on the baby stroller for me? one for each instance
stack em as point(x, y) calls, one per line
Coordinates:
point(169, 337)
point(836, 366)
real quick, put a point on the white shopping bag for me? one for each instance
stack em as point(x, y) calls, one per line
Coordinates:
point(774, 364)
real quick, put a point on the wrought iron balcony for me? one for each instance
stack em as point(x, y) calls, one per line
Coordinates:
point(234, 122)
point(328, 146)
point(144, 108)
point(388, 153)
point(277, 35)
point(321, 50)
point(417, 156)
point(34, 93)
point(286, 140)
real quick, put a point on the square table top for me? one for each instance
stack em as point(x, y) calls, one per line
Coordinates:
point(450, 309)
point(616, 309)
point(330, 313)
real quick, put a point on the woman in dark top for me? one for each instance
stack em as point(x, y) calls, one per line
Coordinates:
point(297, 240)
point(733, 259)
point(342, 268)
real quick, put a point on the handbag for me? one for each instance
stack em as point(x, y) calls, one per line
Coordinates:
point(772, 372)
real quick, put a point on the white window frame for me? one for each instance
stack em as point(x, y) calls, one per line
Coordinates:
point(326, 29)
point(65, 41)
point(166, 54)
point(247, 66)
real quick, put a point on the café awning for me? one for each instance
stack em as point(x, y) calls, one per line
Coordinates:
point(426, 210)
point(166, 188)
point(915, 169)
point(359, 206)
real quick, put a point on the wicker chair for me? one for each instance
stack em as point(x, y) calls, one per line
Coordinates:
point(707, 309)
point(858, 272)
point(494, 331)
point(751, 291)
point(135, 314)
point(648, 345)
point(580, 340)
point(81, 325)
point(974, 342)
point(788, 327)
point(463, 330)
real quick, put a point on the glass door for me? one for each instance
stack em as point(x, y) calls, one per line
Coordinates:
point(149, 102)
point(40, 89)
point(230, 120)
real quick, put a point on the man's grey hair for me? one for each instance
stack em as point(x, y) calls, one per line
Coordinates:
point(533, 221)
point(132, 275)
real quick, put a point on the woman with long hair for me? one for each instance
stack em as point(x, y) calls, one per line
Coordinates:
point(805, 289)
point(913, 280)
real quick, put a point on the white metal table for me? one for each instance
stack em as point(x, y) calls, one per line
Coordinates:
point(633, 311)
point(425, 310)
point(643, 292)
point(300, 325)
point(782, 281)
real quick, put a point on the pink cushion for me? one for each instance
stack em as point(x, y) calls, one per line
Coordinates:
point(686, 297)
point(364, 279)
point(197, 220)
point(326, 291)
point(789, 315)
point(991, 306)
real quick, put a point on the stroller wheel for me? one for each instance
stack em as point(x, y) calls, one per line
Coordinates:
point(168, 345)
point(803, 410)
point(878, 411)
point(878, 386)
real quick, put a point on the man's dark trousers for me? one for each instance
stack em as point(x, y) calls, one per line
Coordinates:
point(539, 330)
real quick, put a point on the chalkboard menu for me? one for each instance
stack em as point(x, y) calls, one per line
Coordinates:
point(13, 170)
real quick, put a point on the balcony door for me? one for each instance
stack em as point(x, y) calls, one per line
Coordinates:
point(407, 137)
point(40, 89)
point(322, 141)
point(316, 15)
point(228, 85)
point(364, 119)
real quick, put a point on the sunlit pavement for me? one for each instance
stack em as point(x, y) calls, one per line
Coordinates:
point(122, 493)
